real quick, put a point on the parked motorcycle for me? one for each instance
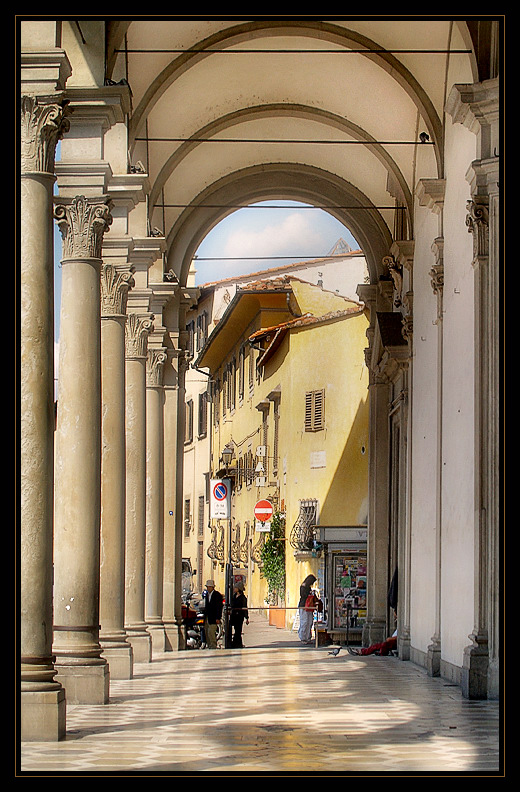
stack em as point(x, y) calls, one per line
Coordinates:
point(193, 621)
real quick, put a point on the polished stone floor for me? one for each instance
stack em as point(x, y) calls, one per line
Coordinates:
point(275, 707)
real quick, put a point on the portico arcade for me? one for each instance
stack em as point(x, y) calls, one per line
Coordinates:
point(144, 111)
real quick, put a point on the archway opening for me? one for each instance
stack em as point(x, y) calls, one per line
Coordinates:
point(272, 235)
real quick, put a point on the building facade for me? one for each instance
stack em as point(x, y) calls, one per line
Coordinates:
point(290, 426)
point(339, 272)
point(393, 126)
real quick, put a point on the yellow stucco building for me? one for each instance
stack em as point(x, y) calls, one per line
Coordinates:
point(289, 425)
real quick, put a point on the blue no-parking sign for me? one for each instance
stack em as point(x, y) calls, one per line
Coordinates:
point(220, 500)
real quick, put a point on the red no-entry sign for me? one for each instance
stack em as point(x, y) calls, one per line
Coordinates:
point(263, 510)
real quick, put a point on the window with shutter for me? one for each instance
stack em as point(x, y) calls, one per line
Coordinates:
point(315, 410)
point(187, 521)
point(203, 414)
point(188, 436)
point(200, 528)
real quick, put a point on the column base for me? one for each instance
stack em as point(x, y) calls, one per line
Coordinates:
point(43, 715)
point(157, 637)
point(374, 631)
point(404, 643)
point(175, 639)
point(141, 644)
point(120, 659)
point(433, 659)
point(474, 674)
point(84, 684)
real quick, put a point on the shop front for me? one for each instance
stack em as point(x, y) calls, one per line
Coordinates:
point(344, 564)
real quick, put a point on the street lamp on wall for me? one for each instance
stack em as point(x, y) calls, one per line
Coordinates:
point(227, 455)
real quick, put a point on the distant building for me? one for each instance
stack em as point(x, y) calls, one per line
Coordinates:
point(338, 272)
point(289, 404)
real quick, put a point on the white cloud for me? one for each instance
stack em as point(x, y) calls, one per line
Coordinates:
point(293, 235)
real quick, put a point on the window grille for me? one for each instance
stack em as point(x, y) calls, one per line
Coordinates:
point(315, 410)
point(302, 533)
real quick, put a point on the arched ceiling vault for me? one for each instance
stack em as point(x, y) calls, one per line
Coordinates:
point(228, 112)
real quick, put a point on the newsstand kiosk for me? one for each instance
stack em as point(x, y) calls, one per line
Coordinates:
point(344, 556)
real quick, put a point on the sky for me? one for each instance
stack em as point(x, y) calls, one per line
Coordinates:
point(293, 233)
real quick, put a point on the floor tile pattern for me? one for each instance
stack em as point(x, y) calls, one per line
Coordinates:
point(275, 708)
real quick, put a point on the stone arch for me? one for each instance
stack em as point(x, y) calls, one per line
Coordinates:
point(292, 110)
point(322, 31)
point(275, 181)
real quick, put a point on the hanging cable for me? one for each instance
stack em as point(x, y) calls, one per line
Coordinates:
point(288, 140)
point(321, 51)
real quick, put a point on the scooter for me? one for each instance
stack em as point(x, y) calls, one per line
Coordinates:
point(193, 621)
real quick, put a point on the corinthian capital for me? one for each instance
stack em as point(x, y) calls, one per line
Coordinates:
point(154, 368)
point(82, 223)
point(114, 290)
point(477, 222)
point(43, 124)
point(138, 328)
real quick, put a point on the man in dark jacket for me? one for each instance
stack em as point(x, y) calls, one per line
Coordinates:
point(212, 613)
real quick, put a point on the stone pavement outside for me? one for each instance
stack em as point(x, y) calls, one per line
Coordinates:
point(275, 707)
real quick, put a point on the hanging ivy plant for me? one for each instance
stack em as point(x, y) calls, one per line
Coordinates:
point(273, 558)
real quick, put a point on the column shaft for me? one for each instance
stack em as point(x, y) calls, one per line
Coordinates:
point(377, 573)
point(82, 670)
point(116, 648)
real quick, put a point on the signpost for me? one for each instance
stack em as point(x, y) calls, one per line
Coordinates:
point(263, 513)
point(220, 490)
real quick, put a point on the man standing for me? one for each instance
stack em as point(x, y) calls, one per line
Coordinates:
point(212, 613)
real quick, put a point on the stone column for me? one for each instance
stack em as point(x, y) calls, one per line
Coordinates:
point(137, 330)
point(42, 697)
point(82, 670)
point(154, 497)
point(116, 649)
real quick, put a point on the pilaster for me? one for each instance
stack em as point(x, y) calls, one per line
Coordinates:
point(82, 670)
point(155, 496)
point(172, 569)
point(138, 328)
point(477, 106)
